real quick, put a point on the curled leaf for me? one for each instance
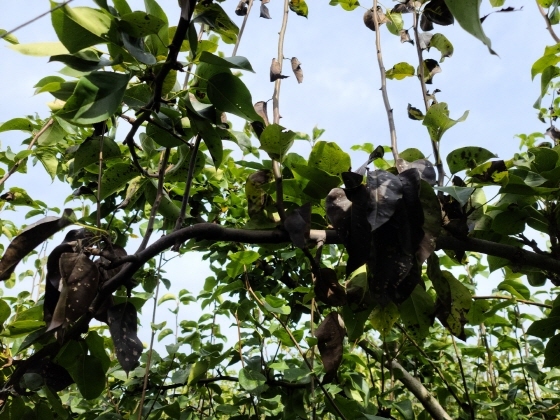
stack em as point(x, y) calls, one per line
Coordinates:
point(298, 224)
point(241, 9)
point(330, 336)
point(260, 109)
point(296, 67)
point(264, 11)
point(414, 113)
point(385, 190)
point(275, 71)
point(123, 328)
point(327, 288)
point(405, 36)
point(370, 15)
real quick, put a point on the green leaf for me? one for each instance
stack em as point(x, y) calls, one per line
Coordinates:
point(516, 288)
point(396, 23)
point(48, 159)
point(329, 157)
point(236, 62)
point(239, 260)
point(229, 94)
point(139, 24)
point(88, 152)
point(544, 328)
point(467, 14)
point(510, 222)
point(315, 182)
point(211, 138)
point(461, 194)
point(467, 157)
point(276, 142)
point(116, 177)
point(80, 27)
point(251, 381)
point(417, 313)
point(198, 371)
point(276, 305)
point(83, 62)
point(5, 311)
point(40, 49)
point(299, 7)
point(96, 98)
point(21, 328)
point(11, 38)
point(552, 352)
point(443, 45)
point(384, 317)
point(347, 5)
point(400, 71)
point(167, 208)
point(218, 20)
point(438, 122)
point(549, 58)
point(18, 124)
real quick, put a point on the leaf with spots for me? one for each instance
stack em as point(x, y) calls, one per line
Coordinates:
point(443, 45)
point(417, 313)
point(467, 158)
point(329, 157)
point(116, 177)
point(123, 328)
point(438, 122)
point(80, 278)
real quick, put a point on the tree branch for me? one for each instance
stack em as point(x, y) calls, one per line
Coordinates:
point(388, 109)
point(548, 23)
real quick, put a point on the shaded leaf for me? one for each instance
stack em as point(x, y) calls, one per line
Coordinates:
point(330, 336)
point(417, 313)
point(438, 122)
point(298, 224)
point(327, 288)
point(383, 318)
point(229, 94)
point(385, 190)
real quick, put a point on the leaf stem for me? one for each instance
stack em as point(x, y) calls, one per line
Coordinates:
point(14, 168)
point(388, 109)
point(435, 145)
point(513, 299)
point(463, 377)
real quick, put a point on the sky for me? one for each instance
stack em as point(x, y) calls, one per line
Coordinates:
point(340, 92)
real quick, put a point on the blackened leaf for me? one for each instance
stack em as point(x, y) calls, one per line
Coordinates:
point(123, 328)
point(241, 9)
point(260, 109)
point(337, 207)
point(298, 224)
point(328, 290)
point(385, 190)
point(357, 287)
point(552, 352)
point(426, 24)
point(438, 12)
point(55, 376)
point(275, 71)
point(431, 68)
point(411, 237)
point(432, 222)
point(264, 11)
point(29, 238)
point(414, 113)
point(370, 15)
point(80, 278)
point(424, 166)
point(296, 67)
point(330, 336)
point(402, 8)
point(106, 274)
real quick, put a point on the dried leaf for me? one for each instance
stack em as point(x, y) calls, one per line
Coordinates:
point(296, 67)
point(241, 9)
point(337, 207)
point(424, 40)
point(123, 328)
point(385, 190)
point(431, 68)
point(414, 113)
point(403, 8)
point(327, 288)
point(369, 17)
point(79, 281)
point(298, 224)
point(264, 11)
point(436, 11)
point(29, 238)
point(256, 196)
point(275, 71)
point(260, 108)
point(405, 36)
point(426, 24)
point(424, 166)
point(330, 336)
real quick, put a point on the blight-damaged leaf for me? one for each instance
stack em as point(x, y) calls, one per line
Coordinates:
point(329, 157)
point(384, 317)
point(123, 328)
point(276, 70)
point(296, 68)
point(417, 313)
point(385, 190)
point(438, 122)
point(264, 11)
point(29, 238)
point(400, 71)
point(276, 142)
point(260, 109)
point(298, 224)
point(330, 336)
point(467, 157)
point(327, 288)
point(443, 45)
point(299, 7)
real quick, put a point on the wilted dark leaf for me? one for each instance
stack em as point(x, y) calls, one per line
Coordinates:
point(80, 278)
point(431, 68)
point(55, 376)
point(384, 189)
point(330, 335)
point(337, 207)
point(275, 71)
point(256, 196)
point(123, 327)
point(437, 12)
point(260, 109)
point(414, 113)
point(424, 166)
point(29, 238)
point(405, 36)
point(403, 8)
point(369, 17)
point(298, 224)
point(241, 9)
point(296, 67)
point(264, 11)
point(327, 288)
point(426, 24)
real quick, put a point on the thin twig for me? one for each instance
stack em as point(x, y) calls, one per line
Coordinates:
point(157, 201)
point(435, 145)
point(249, 5)
point(388, 109)
point(548, 23)
point(490, 361)
point(276, 170)
point(523, 370)
point(463, 377)
point(17, 28)
point(188, 185)
point(514, 299)
point(151, 348)
point(100, 174)
point(299, 349)
point(536, 391)
point(14, 168)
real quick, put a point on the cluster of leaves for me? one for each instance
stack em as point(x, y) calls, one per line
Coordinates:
point(368, 299)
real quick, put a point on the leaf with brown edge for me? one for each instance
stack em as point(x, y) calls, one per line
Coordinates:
point(405, 36)
point(330, 336)
point(275, 71)
point(32, 236)
point(298, 224)
point(80, 278)
point(296, 68)
point(264, 11)
point(414, 113)
point(327, 288)
point(123, 328)
point(241, 9)
point(260, 108)
point(431, 68)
